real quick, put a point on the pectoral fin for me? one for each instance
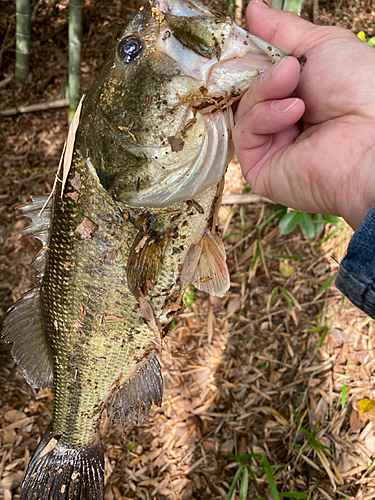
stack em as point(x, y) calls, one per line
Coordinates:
point(145, 261)
point(211, 274)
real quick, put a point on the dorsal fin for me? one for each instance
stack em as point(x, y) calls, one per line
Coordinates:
point(211, 274)
point(131, 403)
point(23, 327)
point(40, 227)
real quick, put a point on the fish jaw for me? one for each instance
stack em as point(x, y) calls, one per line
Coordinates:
point(211, 48)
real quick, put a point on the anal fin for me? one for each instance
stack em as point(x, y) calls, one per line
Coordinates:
point(211, 274)
point(23, 327)
point(131, 403)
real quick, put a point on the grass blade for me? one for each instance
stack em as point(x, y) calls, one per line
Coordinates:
point(270, 477)
point(326, 284)
point(293, 494)
point(234, 482)
point(244, 484)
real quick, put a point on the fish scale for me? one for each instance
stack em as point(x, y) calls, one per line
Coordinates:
point(130, 225)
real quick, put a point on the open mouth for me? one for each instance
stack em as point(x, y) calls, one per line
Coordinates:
point(235, 58)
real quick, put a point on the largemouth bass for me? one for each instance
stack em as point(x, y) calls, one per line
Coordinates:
point(129, 227)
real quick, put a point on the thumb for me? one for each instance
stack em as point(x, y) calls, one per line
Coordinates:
point(287, 30)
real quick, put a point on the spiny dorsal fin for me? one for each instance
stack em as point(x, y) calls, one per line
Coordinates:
point(211, 274)
point(131, 403)
point(40, 227)
point(23, 327)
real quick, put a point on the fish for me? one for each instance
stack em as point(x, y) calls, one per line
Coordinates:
point(131, 223)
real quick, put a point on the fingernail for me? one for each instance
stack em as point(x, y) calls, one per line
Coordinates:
point(271, 71)
point(283, 106)
point(261, 3)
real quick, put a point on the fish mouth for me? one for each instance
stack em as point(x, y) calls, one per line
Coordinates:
point(230, 63)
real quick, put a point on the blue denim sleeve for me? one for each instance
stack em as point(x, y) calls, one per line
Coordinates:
point(356, 277)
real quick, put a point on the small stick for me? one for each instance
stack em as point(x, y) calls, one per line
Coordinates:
point(233, 199)
point(43, 106)
point(6, 80)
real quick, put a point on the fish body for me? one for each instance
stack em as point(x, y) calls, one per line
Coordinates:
point(130, 226)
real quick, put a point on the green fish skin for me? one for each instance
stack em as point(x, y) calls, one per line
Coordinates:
point(130, 225)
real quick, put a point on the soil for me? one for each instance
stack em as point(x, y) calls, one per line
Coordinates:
point(274, 368)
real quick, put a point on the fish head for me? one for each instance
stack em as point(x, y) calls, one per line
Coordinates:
point(157, 120)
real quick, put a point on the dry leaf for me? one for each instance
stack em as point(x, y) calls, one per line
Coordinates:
point(70, 144)
point(86, 228)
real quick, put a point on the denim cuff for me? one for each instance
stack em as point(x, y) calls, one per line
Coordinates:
point(356, 277)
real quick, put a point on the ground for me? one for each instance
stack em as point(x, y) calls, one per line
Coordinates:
point(275, 368)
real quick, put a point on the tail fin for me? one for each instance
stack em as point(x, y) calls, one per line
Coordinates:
point(59, 473)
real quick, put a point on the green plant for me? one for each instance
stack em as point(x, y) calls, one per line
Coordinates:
point(311, 439)
point(189, 296)
point(244, 473)
point(310, 224)
point(362, 36)
point(287, 296)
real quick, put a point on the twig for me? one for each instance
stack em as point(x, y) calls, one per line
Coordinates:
point(6, 80)
point(43, 106)
point(233, 199)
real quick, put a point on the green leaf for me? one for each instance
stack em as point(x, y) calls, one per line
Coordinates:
point(293, 494)
point(332, 219)
point(343, 396)
point(321, 340)
point(329, 235)
point(288, 222)
point(318, 222)
point(307, 225)
point(271, 479)
point(289, 299)
point(256, 256)
point(231, 235)
point(273, 294)
point(244, 484)
point(326, 284)
point(371, 41)
point(361, 35)
point(130, 446)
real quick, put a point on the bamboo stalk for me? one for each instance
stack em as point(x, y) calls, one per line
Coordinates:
point(75, 35)
point(23, 28)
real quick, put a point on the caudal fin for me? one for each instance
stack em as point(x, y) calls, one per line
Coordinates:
point(59, 473)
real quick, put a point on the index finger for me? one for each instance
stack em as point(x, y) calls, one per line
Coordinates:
point(287, 30)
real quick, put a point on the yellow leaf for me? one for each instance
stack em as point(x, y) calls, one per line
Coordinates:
point(365, 405)
point(361, 35)
point(286, 269)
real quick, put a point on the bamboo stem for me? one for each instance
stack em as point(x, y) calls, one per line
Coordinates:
point(75, 35)
point(23, 28)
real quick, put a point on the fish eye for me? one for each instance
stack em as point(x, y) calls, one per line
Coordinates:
point(130, 49)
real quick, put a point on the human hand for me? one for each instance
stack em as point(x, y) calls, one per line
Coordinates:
point(328, 166)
